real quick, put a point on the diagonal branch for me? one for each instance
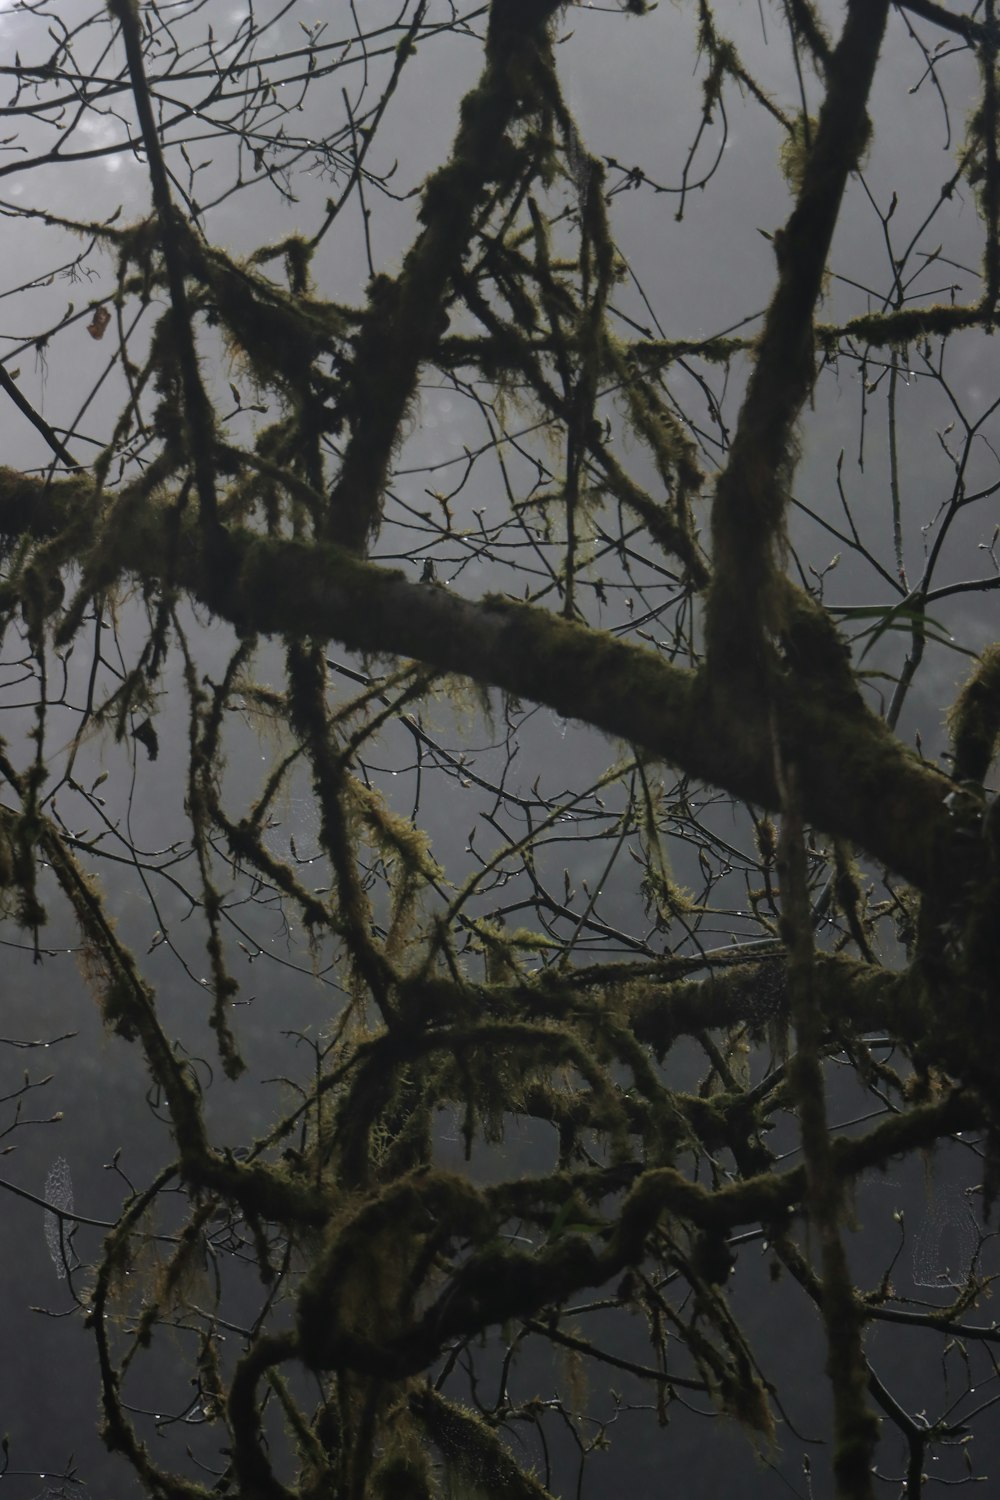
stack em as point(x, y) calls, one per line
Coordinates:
point(939, 15)
point(37, 420)
point(749, 509)
point(407, 315)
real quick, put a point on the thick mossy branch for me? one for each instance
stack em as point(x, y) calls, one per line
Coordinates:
point(748, 513)
point(407, 315)
point(858, 781)
point(365, 1307)
point(658, 1010)
point(257, 1479)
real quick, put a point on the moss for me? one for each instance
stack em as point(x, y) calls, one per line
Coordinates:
point(400, 1477)
point(476, 1462)
point(974, 720)
point(795, 148)
point(275, 335)
point(895, 330)
point(357, 1301)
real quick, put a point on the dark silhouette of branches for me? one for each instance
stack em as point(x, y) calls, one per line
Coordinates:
point(470, 717)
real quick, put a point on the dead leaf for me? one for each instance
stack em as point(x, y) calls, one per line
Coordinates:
point(99, 322)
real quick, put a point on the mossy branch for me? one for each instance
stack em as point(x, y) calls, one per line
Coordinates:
point(407, 315)
point(750, 500)
point(858, 781)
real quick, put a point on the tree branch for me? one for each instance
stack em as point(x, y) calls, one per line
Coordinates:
point(858, 781)
point(197, 407)
point(748, 514)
